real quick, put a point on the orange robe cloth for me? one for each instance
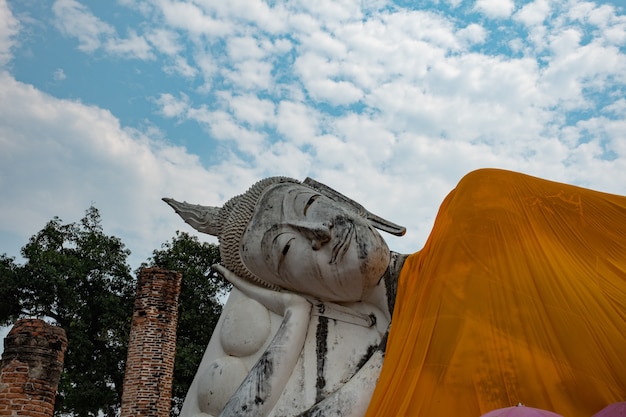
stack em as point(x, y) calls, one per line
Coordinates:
point(519, 295)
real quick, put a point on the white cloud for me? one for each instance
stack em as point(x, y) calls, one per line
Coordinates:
point(59, 156)
point(575, 69)
point(285, 159)
point(337, 93)
point(597, 139)
point(618, 108)
point(297, 122)
point(207, 66)
point(302, 22)
point(181, 67)
point(250, 75)
point(611, 26)
point(222, 126)
point(132, 47)
point(422, 26)
point(8, 32)
point(59, 75)
point(335, 153)
point(325, 44)
point(188, 16)
point(565, 42)
point(369, 138)
point(242, 48)
point(495, 8)
point(382, 49)
point(534, 13)
point(170, 106)
point(254, 12)
point(472, 34)
point(322, 80)
point(252, 110)
point(166, 41)
point(75, 20)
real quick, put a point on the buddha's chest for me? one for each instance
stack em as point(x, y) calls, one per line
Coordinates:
point(332, 354)
point(338, 343)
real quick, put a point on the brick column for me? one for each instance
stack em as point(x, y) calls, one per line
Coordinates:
point(32, 362)
point(152, 345)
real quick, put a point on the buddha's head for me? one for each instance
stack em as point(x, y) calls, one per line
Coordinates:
point(302, 237)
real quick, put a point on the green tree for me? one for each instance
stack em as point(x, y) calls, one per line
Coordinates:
point(77, 277)
point(199, 304)
point(10, 305)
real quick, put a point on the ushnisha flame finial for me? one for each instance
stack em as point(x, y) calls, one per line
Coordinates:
point(204, 219)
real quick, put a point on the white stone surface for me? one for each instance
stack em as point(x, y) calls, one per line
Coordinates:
point(245, 328)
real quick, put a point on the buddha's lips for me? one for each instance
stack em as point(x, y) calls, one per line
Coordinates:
point(343, 240)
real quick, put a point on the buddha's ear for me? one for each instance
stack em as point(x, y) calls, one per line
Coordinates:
point(376, 221)
point(202, 218)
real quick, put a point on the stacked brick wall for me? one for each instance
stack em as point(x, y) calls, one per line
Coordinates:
point(32, 362)
point(152, 345)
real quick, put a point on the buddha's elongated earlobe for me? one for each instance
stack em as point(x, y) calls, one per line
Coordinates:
point(376, 221)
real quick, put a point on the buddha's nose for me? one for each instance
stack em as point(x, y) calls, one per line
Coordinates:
point(320, 235)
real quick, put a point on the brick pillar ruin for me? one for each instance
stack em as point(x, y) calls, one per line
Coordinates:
point(152, 345)
point(32, 362)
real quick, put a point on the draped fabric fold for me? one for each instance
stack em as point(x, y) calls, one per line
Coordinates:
point(519, 295)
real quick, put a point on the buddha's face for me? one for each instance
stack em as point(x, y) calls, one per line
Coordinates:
point(304, 242)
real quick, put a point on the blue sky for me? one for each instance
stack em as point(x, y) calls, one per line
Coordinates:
point(119, 103)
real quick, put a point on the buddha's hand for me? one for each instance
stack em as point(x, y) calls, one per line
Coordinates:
point(276, 301)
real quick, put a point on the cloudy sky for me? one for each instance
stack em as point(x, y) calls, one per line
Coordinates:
point(119, 103)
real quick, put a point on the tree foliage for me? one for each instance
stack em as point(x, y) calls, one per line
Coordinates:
point(10, 305)
point(77, 277)
point(199, 303)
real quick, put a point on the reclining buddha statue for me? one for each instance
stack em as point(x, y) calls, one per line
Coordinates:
point(518, 296)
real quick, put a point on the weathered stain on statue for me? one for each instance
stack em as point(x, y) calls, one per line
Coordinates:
point(321, 353)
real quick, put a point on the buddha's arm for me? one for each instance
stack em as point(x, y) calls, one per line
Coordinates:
point(262, 387)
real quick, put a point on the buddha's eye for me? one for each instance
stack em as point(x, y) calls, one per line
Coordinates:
point(308, 203)
point(283, 251)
